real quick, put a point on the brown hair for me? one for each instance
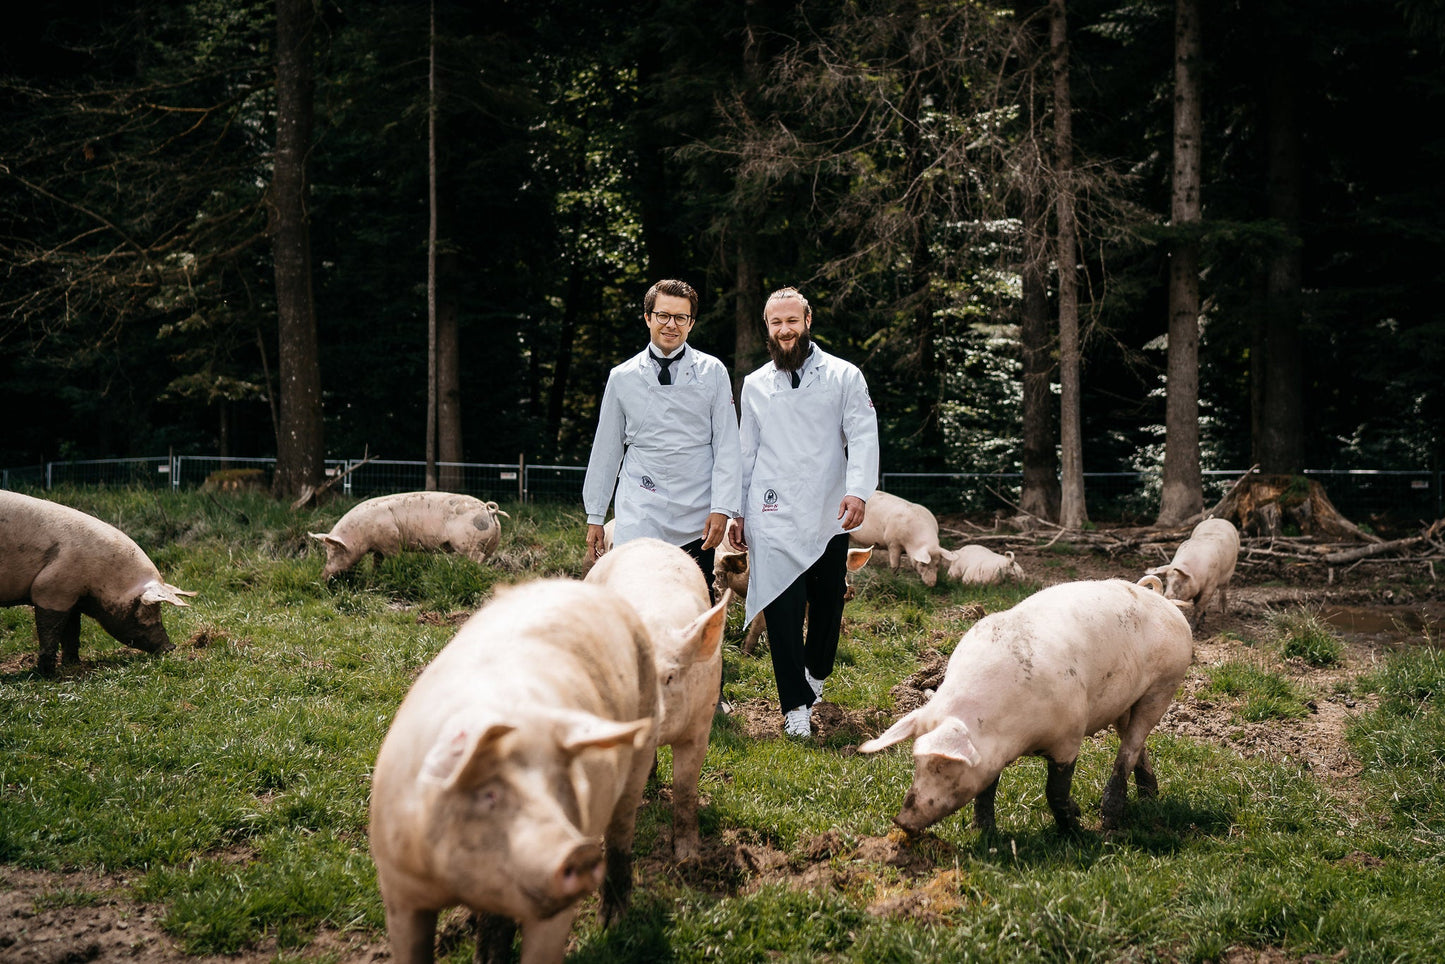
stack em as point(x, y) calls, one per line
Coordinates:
point(788, 292)
point(678, 289)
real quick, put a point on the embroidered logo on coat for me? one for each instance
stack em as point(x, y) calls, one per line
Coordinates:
point(648, 484)
point(770, 501)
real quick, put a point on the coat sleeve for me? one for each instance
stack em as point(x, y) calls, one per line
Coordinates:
point(606, 458)
point(860, 435)
point(726, 452)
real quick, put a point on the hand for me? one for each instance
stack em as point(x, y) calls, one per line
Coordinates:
point(712, 532)
point(735, 533)
point(596, 541)
point(850, 510)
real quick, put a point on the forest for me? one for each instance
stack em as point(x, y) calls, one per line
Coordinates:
point(1052, 234)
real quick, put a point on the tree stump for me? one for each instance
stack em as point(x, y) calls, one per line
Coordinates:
point(1266, 504)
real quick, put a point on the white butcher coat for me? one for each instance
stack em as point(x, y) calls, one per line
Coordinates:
point(803, 450)
point(670, 451)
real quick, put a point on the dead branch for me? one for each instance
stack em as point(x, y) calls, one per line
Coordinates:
point(311, 495)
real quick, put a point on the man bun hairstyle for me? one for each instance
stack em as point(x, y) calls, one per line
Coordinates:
point(670, 286)
point(788, 292)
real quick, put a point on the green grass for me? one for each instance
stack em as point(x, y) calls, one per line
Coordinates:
point(1305, 636)
point(229, 780)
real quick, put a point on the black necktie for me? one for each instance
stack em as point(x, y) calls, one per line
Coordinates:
point(796, 379)
point(664, 377)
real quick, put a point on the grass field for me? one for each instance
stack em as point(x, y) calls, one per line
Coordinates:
point(229, 779)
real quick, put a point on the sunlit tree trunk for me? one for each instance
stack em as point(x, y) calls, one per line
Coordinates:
point(300, 453)
point(1072, 510)
point(1183, 496)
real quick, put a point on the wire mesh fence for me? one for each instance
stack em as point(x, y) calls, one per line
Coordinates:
point(1380, 497)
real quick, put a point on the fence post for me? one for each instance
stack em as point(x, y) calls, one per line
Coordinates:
point(47, 475)
point(522, 477)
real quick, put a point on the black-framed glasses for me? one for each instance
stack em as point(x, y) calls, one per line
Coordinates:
point(667, 317)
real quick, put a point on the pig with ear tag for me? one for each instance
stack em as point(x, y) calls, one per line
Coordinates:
point(1037, 679)
point(510, 778)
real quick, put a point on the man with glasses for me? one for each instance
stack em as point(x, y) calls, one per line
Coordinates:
point(667, 439)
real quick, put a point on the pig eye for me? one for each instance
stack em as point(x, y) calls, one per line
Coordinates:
point(488, 797)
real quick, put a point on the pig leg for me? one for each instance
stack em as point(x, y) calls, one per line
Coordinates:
point(1132, 727)
point(621, 828)
point(412, 933)
point(1144, 780)
point(754, 632)
point(983, 812)
point(686, 770)
point(57, 630)
point(545, 941)
point(494, 938)
point(1058, 788)
point(895, 557)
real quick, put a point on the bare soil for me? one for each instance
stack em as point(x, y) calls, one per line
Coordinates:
point(1377, 607)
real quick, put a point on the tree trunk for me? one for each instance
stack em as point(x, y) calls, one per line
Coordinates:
point(300, 453)
point(449, 377)
point(431, 254)
point(562, 370)
point(1073, 513)
point(1279, 442)
point(1041, 494)
point(748, 351)
point(1183, 494)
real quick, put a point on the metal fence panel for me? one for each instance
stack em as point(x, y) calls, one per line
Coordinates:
point(1378, 497)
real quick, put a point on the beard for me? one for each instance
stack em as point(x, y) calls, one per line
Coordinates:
point(791, 359)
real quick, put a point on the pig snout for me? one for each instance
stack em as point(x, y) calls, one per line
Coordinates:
point(920, 811)
point(579, 873)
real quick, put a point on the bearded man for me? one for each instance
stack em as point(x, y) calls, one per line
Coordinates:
point(809, 440)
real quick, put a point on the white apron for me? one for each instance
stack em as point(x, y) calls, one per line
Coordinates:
point(798, 481)
point(665, 483)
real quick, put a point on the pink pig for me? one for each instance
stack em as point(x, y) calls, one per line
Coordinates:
point(1037, 679)
point(389, 524)
point(510, 778)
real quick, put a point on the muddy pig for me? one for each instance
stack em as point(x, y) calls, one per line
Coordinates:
point(388, 524)
point(901, 527)
point(1202, 566)
point(1035, 680)
point(979, 564)
point(510, 778)
point(665, 586)
point(63, 563)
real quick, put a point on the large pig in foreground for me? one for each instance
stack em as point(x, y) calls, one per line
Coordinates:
point(665, 586)
point(1035, 680)
point(389, 524)
point(901, 527)
point(730, 571)
point(512, 773)
point(1202, 566)
point(63, 563)
point(978, 564)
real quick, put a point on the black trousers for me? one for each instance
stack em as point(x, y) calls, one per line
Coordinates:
point(817, 596)
point(704, 559)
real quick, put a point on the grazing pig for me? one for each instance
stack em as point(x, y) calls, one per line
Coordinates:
point(976, 564)
point(63, 563)
point(388, 524)
point(519, 753)
point(1202, 566)
point(667, 589)
point(730, 571)
point(901, 527)
point(1036, 679)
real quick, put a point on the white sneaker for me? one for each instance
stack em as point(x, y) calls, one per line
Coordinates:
point(798, 721)
point(815, 684)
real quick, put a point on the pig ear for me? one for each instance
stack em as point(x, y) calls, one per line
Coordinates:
point(156, 591)
point(329, 539)
point(463, 755)
point(1151, 582)
point(904, 729)
point(583, 731)
point(858, 558)
point(951, 740)
point(701, 637)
